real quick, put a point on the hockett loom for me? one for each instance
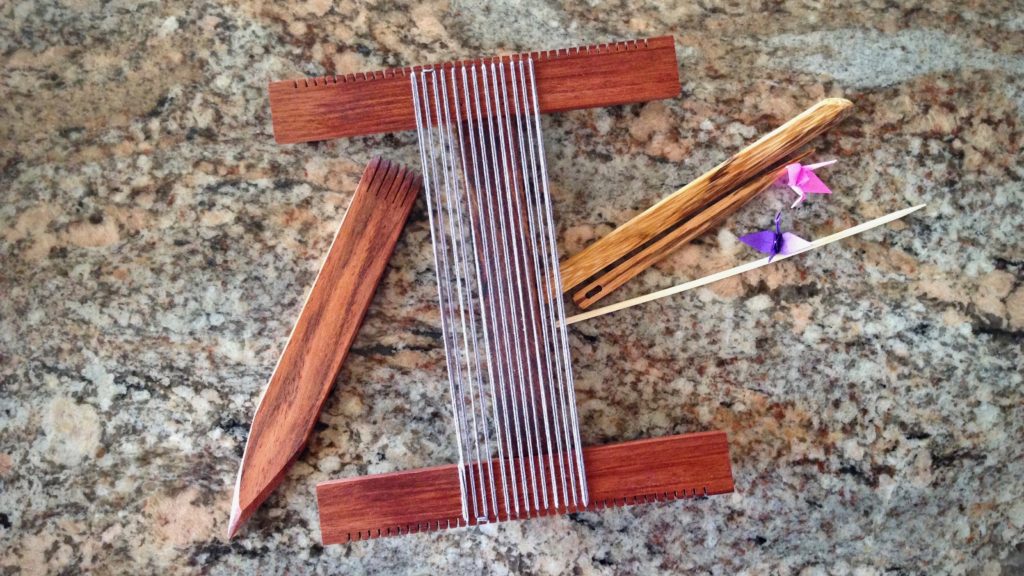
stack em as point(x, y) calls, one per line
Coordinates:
point(510, 377)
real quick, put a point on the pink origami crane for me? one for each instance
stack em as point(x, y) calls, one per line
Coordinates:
point(804, 181)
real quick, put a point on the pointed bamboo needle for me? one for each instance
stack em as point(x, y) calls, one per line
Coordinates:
point(325, 330)
point(740, 269)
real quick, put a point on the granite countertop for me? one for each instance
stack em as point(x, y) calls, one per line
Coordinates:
point(156, 246)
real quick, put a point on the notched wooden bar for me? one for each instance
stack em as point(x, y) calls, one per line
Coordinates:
point(642, 471)
point(321, 108)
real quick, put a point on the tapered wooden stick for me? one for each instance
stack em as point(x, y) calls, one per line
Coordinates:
point(740, 269)
point(621, 254)
point(326, 327)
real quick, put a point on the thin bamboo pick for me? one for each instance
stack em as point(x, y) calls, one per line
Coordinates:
point(742, 268)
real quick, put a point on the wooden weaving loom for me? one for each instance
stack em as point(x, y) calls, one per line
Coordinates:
point(511, 389)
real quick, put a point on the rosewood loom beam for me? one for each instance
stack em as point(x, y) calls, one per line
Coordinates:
point(593, 76)
point(424, 500)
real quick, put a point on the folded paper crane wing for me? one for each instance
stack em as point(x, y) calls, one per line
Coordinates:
point(775, 242)
point(765, 242)
point(802, 180)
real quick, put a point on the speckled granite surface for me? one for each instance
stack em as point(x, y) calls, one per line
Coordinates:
point(156, 245)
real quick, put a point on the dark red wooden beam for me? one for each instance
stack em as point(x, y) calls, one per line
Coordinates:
point(642, 471)
point(327, 107)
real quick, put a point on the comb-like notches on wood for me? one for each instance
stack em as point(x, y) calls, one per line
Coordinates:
point(425, 500)
point(599, 75)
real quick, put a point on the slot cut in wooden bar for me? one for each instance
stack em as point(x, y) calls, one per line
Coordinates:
point(593, 76)
point(324, 332)
point(606, 264)
point(426, 500)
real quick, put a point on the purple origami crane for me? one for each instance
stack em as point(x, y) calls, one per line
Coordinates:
point(775, 242)
point(804, 181)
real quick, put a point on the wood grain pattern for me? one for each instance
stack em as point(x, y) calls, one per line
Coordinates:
point(327, 325)
point(652, 470)
point(621, 271)
point(568, 79)
point(764, 157)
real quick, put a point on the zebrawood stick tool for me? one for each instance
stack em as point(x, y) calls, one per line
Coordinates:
point(610, 262)
point(324, 332)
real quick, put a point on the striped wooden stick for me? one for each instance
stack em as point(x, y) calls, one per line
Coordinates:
point(640, 242)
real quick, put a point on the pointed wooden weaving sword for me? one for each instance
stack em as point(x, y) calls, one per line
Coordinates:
point(630, 473)
point(326, 328)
